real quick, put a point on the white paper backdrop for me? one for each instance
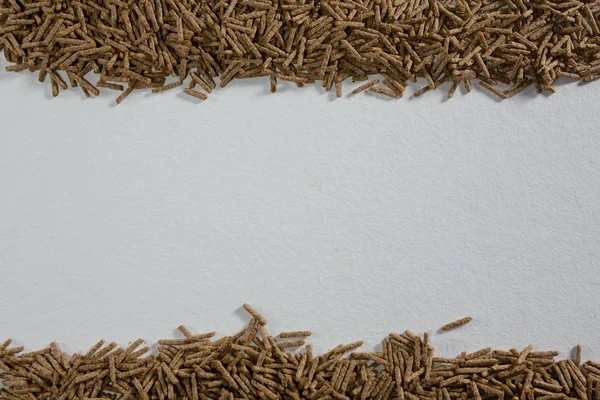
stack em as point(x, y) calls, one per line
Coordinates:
point(353, 217)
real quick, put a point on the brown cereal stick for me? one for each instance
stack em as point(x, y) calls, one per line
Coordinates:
point(456, 324)
point(366, 86)
point(195, 94)
point(250, 310)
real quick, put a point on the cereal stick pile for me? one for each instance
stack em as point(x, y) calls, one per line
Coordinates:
point(254, 365)
point(505, 45)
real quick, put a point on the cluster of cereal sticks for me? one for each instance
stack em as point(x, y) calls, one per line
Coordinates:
point(254, 365)
point(127, 45)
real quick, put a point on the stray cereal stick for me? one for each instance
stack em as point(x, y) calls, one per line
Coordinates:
point(200, 81)
point(384, 92)
point(166, 87)
point(54, 88)
point(193, 93)
point(456, 324)
point(452, 89)
point(493, 89)
point(185, 332)
point(578, 355)
point(365, 86)
point(259, 318)
point(125, 93)
point(294, 334)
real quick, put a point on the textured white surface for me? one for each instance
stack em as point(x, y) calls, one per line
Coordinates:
point(352, 218)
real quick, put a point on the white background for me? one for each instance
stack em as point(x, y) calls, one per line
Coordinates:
point(352, 217)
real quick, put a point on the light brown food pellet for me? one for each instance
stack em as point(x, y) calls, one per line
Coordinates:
point(365, 86)
point(295, 334)
point(54, 88)
point(193, 93)
point(259, 318)
point(125, 93)
point(201, 82)
point(493, 89)
point(166, 87)
point(338, 89)
point(456, 324)
point(384, 92)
